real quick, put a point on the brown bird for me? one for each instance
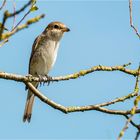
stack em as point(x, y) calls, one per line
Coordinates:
point(43, 57)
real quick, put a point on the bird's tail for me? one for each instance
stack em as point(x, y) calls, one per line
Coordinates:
point(29, 105)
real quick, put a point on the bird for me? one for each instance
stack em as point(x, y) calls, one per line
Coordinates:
point(43, 57)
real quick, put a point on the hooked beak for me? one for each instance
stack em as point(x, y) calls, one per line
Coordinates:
point(66, 29)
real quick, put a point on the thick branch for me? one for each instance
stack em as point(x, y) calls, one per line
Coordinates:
point(76, 75)
point(98, 107)
point(76, 108)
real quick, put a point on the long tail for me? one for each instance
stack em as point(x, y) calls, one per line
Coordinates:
point(29, 105)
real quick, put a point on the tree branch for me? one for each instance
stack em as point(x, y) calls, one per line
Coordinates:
point(137, 135)
point(121, 99)
point(134, 124)
point(9, 15)
point(21, 9)
point(133, 110)
point(76, 75)
point(14, 17)
point(3, 4)
point(75, 108)
point(131, 20)
point(98, 107)
point(21, 27)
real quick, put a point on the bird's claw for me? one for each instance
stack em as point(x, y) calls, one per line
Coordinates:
point(40, 79)
point(49, 79)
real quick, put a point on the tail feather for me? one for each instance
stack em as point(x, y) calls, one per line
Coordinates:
point(29, 105)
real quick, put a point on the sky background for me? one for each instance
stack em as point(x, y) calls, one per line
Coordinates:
point(100, 34)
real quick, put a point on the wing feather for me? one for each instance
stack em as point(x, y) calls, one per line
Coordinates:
point(34, 47)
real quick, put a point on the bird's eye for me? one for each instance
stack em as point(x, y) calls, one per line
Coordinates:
point(56, 26)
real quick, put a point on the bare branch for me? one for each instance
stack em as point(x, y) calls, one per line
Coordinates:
point(76, 75)
point(131, 20)
point(3, 4)
point(5, 16)
point(125, 127)
point(21, 27)
point(137, 135)
point(20, 21)
point(75, 108)
point(21, 9)
point(134, 124)
point(98, 107)
point(9, 15)
point(14, 17)
point(133, 110)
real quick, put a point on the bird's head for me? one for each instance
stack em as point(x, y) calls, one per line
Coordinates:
point(55, 30)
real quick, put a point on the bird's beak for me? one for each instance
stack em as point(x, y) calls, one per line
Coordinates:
point(66, 29)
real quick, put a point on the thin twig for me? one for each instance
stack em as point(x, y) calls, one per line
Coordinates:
point(21, 9)
point(6, 35)
point(9, 15)
point(134, 124)
point(3, 4)
point(131, 19)
point(14, 18)
point(125, 127)
point(121, 99)
point(133, 110)
point(137, 135)
point(130, 11)
point(5, 16)
point(5, 41)
point(32, 4)
point(20, 20)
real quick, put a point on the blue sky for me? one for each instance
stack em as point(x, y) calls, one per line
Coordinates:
point(100, 34)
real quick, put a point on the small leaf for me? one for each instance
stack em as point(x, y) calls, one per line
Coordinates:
point(33, 8)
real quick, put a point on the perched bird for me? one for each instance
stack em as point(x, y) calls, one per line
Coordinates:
point(43, 57)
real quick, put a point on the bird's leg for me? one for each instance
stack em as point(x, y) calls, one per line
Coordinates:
point(49, 79)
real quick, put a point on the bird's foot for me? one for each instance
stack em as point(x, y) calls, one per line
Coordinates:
point(41, 79)
point(49, 79)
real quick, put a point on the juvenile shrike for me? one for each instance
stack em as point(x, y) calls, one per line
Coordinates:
point(43, 57)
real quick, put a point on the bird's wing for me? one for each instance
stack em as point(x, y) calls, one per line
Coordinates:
point(34, 47)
